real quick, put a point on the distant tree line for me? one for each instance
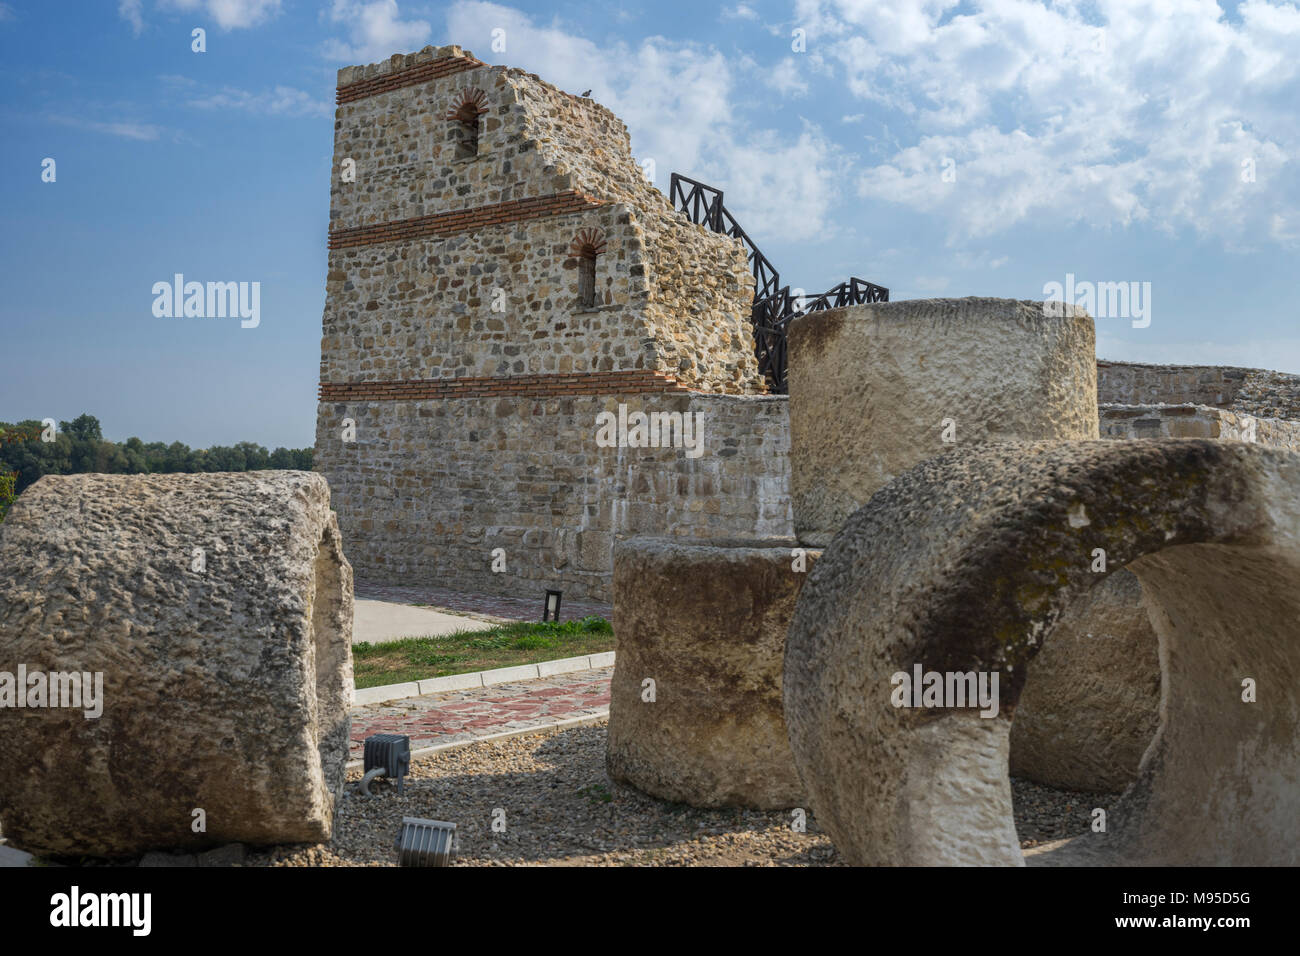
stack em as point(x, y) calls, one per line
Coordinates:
point(79, 447)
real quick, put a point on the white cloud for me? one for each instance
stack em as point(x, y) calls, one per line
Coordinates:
point(228, 14)
point(132, 11)
point(740, 11)
point(136, 131)
point(685, 106)
point(281, 101)
point(7, 12)
point(375, 30)
point(787, 78)
point(1133, 111)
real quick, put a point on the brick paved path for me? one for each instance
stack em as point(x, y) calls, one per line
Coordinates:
point(482, 605)
point(467, 714)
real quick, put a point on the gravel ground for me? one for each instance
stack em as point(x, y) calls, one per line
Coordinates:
point(561, 810)
point(1043, 814)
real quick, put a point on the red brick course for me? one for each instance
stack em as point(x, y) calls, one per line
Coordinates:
point(422, 73)
point(465, 220)
point(636, 381)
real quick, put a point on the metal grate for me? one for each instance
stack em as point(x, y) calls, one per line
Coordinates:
point(423, 842)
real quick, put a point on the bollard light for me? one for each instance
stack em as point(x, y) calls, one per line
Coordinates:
point(386, 755)
point(426, 842)
point(551, 609)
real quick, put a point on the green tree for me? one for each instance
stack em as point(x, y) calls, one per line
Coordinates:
point(79, 447)
point(82, 428)
point(255, 456)
point(8, 482)
point(136, 455)
point(32, 458)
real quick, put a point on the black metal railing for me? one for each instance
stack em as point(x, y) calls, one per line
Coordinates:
point(773, 306)
point(703, 204)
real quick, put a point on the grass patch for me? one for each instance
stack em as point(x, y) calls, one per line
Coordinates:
point(419, 658)
point(597, 793)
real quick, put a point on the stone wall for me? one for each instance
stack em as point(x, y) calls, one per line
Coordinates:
point(444, 264)
point(1196, 421)
point(1251, 391)
point(423, 309)
point(456, 338)
point(429, 488)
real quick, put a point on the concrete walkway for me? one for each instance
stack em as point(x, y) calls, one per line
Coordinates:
point(380, 621)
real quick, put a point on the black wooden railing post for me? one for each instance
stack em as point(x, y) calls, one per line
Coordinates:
point(773, 306)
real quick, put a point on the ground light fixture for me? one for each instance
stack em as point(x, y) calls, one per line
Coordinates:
point(551, 609)
point(386, 755)
point(423, 842)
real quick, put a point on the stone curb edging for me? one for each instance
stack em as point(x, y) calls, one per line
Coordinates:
point(501, 675)
point(549, 727)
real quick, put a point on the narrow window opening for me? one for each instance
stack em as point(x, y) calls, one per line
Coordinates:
point(587, 280)
point(463, 117)
point(467, 136)
point(586, 248)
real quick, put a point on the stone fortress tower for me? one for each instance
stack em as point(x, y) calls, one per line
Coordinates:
point(501, 272)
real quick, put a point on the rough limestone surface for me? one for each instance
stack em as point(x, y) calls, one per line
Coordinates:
point(1091, 707)
point(966, 564)
point(706, 624)
point(218, 609)
point(1091, 701)
point(876, 388)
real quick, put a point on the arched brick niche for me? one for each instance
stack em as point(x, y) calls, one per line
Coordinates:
point(464, 125)
point(587, 247)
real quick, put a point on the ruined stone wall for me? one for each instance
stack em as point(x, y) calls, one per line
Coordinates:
point(430, 487)
point(697, 340)
point(1196, 421)
point(550, 171)
point(456, 340)
point(1251, 391)
point(423, 309)
point(535, 140)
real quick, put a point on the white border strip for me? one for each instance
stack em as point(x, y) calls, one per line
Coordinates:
point(501, 675)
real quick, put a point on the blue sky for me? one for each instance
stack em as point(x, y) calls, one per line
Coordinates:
point(936, 148)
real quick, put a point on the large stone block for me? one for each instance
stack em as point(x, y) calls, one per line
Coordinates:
point(965, 565)
point(1091, 702)
point(706, 624)
point(217, 611)
point(872, 386)
point(874, 389)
